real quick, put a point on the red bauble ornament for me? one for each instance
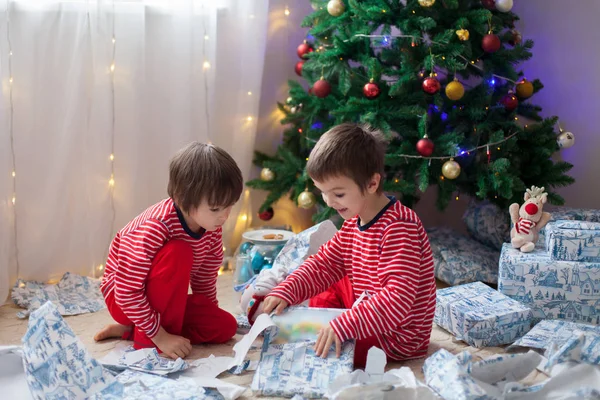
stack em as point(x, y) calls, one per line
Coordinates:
point(267, 214)
point(491, 43)
point(298, 67)
point(431, 85)
point(510, 102)
point(425, 146)
point(371, 90)
point(489, 4)
point(321, 88)
point(304, 49)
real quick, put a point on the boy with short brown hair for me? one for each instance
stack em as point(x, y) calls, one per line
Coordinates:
point(172, 244)
point(379, 265)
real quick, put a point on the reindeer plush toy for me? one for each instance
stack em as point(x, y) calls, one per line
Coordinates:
point(528, 219)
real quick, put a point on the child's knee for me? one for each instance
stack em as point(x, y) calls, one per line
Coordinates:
point(228, 327)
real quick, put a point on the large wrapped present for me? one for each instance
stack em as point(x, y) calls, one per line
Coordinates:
point(573, 240)
point(487, 223)
point(480, 315)
point(572, 214)
point(459, 259)
point(553, 289)
point(288, 364)
point(553, 331)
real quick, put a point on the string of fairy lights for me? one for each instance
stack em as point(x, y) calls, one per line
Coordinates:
point(11, 135)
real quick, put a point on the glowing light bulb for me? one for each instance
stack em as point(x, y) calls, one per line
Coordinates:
point(249, 93)
point(287, 12)
point(112, 67)
point(111, 182)
point(249, 119)
point(206, 65)
point(112, 157)
point(14, 174)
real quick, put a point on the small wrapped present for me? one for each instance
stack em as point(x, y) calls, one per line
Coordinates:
point(487, 223)
point(480, 315)
point(571, 214)
point(573, 240)
point(552, 289)
point(288, 364)
point(459, 259)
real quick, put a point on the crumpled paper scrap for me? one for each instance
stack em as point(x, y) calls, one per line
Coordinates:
point(72, 295)
point(57, 365)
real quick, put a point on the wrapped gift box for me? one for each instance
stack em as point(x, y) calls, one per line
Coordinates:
point(459, 259)
point(288, 364)
point(552, 289)
point(480, 315)
point(571, 214)
point(487, 223)
point(573, 240)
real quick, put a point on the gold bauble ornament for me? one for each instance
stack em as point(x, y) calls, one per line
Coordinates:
point(267, 175)
point(306, 200)
point(524, 89)
point(426, 3)
point(451, 169)
point(455, 90)
point(462, 34)
point(336, 7)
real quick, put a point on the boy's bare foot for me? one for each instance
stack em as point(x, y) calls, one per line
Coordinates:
point(111, 331)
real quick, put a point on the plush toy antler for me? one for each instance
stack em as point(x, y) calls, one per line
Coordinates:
point(528, 219)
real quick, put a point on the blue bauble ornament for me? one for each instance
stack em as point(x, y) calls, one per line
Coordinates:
point(258, 260)
point(246, 247)
point(246, 272)
point(267, 266)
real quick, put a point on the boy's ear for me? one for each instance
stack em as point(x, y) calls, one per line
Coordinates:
point(374, 183)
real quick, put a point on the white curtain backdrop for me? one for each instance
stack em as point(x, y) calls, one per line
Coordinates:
point(176, 71)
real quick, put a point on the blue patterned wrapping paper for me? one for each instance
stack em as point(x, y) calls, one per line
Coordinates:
point(459, 259)
point(72, 295)
point(552, 289)
point(289, 369)
point(573, 241)
point(143, 360)
point(552, 331)
point(481, 316)
point(487, 223)
point(57, 364)
point(572, 214)
point(581, 347)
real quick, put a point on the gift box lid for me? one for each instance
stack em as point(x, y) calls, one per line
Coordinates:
point(574, 225)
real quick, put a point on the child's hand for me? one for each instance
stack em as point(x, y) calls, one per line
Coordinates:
point(173, 346)
point(326, 337)
point(274, 303)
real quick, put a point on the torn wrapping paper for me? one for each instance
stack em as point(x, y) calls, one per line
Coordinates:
point(459, 259)
point(581, 347)
point(293, 368)
point(456, 377)
point(481, 316)
point(552, 331)
point(138, 385)
point(374, 383)
point(57, 365)
point(552, 289)
point(573, 241)
point(144, 360)
point(72, 295)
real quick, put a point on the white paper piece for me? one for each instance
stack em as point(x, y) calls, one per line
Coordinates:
point(375, 384)
point(227, 390)
point(143, 360)
point(12, 375)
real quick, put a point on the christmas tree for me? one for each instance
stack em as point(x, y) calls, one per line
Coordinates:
point(441, 80)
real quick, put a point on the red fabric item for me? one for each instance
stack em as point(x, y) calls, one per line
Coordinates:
point(193, 316)
point(341, 295)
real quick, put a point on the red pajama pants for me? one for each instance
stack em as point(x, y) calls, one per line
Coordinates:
point(341, 295)
point(192, 316)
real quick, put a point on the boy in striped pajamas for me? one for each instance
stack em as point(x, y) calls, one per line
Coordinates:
point(172, 245)
point(379, 265)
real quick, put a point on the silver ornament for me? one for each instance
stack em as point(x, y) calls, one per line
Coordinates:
point(565, 140)
point(504, 5)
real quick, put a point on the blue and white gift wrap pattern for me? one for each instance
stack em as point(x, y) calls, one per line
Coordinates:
point(553, 331)
point(459, 259)
point(552, 289)
point(57, 365)
point(573, 241)
point(289, 369)
point(571, 214)
point(581, 347)
point(487, 223)
point(480, 315)
point(72, 295)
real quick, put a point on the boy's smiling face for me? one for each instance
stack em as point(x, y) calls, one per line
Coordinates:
point(344, 195)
